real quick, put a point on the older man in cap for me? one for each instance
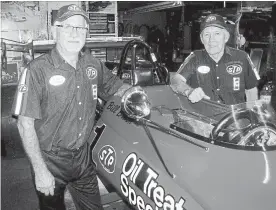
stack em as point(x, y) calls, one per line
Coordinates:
point(218, 72)
point(55, 104)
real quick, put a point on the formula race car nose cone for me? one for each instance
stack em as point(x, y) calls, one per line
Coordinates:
point(135, 103)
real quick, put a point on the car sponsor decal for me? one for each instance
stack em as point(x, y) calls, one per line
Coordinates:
point(91, 72)
point(136, 172)
point(234, 69)
point(116, 110)
point(107, 158)
point(203, 69)
point(236, 83)
point(94, 91)
point(57, 80)
point(22, 88)
point(113, 107)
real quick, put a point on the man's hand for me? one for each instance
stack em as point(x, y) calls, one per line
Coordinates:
point(196, 95)
point(45, 182)
point(122, 90)
point(178, 82)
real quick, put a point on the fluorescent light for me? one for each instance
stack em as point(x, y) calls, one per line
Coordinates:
point(156, 7)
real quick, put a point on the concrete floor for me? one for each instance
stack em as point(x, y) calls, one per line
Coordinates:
point(16, 185)
point(17, 189)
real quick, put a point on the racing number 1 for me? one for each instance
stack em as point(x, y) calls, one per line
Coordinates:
point(98, 131)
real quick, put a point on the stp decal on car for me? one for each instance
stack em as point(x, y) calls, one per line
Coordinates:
point(234, 69)
point(236, 83)
point(136, 172)
point(107, 158)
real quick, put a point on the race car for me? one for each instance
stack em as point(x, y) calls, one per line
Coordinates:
point(157, 150)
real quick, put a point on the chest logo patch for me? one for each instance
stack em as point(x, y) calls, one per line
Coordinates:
point(203, 69)
point(57, 80)
point(91, 72)
point(234, 69)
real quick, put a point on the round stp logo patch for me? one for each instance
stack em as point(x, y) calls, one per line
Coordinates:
point(107, 158)
point(234, 69)
point(91, 72)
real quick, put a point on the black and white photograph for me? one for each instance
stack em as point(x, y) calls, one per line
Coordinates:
point(138, 105)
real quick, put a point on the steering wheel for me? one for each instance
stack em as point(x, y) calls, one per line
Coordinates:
point(161, 71)
point(226, 121)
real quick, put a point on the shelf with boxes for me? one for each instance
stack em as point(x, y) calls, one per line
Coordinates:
point(103, 22)
point(103, 18)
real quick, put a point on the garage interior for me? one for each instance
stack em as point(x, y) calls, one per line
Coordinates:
point(170, 28)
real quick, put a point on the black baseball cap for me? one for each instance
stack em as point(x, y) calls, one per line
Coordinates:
point(69, 11)
point(213, 20)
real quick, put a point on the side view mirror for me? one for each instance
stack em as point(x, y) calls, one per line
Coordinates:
point(135, 103)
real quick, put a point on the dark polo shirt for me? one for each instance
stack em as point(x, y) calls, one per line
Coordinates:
point(61, 99)
point(225, 81)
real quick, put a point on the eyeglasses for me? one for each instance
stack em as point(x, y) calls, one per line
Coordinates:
point(69, 29)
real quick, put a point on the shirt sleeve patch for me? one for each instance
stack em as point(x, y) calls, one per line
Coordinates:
point(253, 67)
point(256, 74)
point(187, 60)
point(22, 88)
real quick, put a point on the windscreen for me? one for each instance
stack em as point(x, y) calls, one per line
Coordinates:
point(250, 124)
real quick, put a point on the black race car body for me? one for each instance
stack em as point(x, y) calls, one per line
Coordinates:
point(160, 151)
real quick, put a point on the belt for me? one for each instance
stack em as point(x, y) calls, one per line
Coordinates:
point(62, 150)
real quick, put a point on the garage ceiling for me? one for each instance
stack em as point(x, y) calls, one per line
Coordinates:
point(127, 5)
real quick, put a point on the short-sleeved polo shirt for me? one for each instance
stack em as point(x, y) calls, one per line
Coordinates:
point(62, 99)
point(225, 81)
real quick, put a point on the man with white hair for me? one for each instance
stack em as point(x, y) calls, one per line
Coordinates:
point(218, 72)
point(55, 104)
